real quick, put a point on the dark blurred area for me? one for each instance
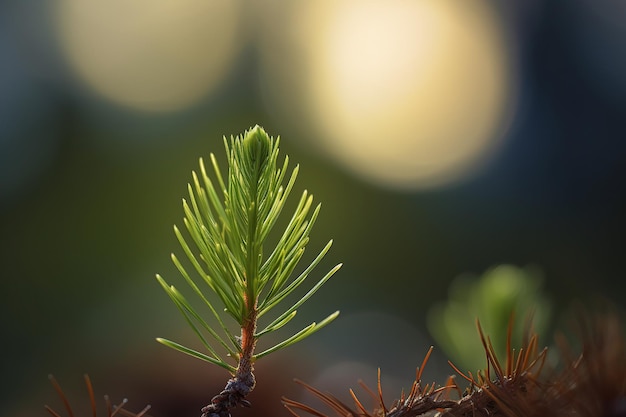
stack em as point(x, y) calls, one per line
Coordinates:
point(442, 138)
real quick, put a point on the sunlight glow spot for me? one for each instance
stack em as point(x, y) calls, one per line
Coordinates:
point(150, 55)
point(406, 94)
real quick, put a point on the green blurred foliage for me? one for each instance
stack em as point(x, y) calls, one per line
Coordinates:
point(502, 293)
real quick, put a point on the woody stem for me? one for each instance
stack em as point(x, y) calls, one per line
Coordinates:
point(243, 382)
point(248, 343)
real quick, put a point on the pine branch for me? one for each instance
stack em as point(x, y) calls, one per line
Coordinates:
point(227, 225)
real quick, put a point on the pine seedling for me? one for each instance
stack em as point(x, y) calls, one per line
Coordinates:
point(228, 223)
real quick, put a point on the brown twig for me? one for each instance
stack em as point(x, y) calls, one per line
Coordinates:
point(111, 410)
point(243, 382)
point(592, 384)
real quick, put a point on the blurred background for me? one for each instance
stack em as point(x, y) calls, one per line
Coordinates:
point(465, 152)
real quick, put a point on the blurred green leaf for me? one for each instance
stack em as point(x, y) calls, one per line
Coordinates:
point(502, 292)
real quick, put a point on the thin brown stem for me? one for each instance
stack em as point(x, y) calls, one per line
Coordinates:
point(243, 382)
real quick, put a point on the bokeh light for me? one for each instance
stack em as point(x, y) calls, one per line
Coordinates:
point(152, 56)
point(408, 94)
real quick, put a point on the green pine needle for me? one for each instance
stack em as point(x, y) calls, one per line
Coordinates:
point(226, 225)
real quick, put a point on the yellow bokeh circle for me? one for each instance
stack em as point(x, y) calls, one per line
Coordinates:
point(150, 55)
point(404, 93)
